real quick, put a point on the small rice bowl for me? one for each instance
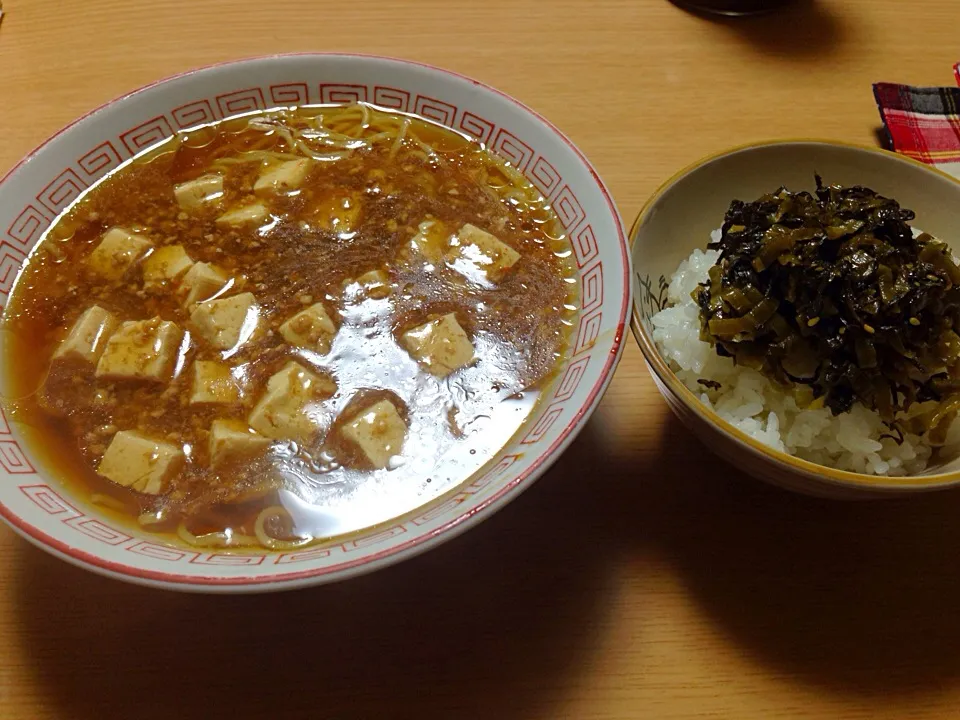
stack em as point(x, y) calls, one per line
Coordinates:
point(857, 440)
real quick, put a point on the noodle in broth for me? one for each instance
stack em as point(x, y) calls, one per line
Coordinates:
point(385, 349)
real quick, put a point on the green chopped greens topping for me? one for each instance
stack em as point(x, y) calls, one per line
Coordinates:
point(832, 291)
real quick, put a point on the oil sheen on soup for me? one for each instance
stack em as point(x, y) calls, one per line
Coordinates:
point(289, 326)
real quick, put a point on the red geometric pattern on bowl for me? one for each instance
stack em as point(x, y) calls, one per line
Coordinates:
point(439, 510)
point(146, 134)
point(436, 110)
point(13, 459)
point(505, 463)
point(98, 531)
point(317, 553)
point(61, 191)
point(52, 504)
point(193, 114)
point(543, 425)
point(392, 98)
point(374, 539)
point(32, 219)
point(449, 507)
point(476, 127)
point(10, 261)
point(571, 379)
point(545, 177)
point(28, 226)
point(343, 94)
point(155, 551)
point(584, 245)
point(241, 101)
point(99, 161)
point(568, 208)
point(591, 288)
point(228, 559)
point(511, 148)
point(588, 331)
point(290, 94)
point(49, 501)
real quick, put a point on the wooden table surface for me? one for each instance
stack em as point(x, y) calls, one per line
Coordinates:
point(660, 584)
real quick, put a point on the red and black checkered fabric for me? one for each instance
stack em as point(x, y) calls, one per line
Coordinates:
point(923, 122)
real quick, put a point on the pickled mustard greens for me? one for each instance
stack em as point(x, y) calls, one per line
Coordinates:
point(834, 294)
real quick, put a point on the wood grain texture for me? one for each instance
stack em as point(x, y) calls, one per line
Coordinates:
point(659, 584)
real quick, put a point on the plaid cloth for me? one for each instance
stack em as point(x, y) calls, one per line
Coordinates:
point(923, 122)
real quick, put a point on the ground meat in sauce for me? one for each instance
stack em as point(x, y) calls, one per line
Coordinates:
point(295, 260)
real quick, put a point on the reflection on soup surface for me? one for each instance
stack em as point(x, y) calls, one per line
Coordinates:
point(288, 326)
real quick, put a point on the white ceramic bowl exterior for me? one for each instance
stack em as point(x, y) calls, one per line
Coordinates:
point(32, 195)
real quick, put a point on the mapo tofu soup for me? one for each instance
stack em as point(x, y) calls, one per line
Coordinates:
point(289, 326)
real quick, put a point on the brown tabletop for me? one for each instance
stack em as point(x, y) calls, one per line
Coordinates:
point(653, 582)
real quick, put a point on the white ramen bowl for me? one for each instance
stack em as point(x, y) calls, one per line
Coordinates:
point(45, 511)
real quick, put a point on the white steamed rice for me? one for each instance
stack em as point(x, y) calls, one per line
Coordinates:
point(765, 411)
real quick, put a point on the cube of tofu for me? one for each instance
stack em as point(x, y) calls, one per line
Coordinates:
point(375, 284)
point(88, 336)
point(139, 463)
point(480, 256)
point(196, 193)
point(429, 242)
point(378, 431)
point(298, 380)
point(142, 350)
point(311, 328)
point(440, 345)
point(117, 251)
point(244, 215)
point(338, 212)
point(200, 282)
point(281, 413)
point(374, 277)
point(165, 264)
point(288, 175)
point(213, 383)
point(227, 322)
point(231, 439)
